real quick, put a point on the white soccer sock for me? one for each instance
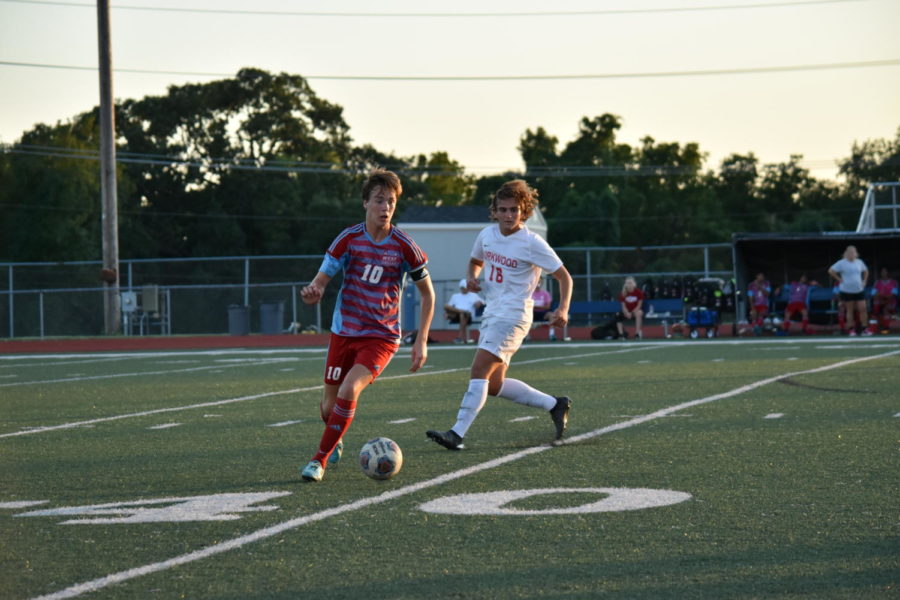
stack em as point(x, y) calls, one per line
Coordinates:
point(472, 403)
point(522, 393)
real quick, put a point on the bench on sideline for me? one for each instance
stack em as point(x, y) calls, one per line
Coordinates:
point(819, 301)
point(657, 310)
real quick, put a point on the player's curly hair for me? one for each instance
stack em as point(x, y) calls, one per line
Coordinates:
point(519, 190)
point(384, 179)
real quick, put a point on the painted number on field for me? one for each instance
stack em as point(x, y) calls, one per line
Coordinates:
point(610, 500)
point(218, 507)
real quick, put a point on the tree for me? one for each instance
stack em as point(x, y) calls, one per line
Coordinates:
point(438, 180)
point(52, 199)
point(240, 161)
point(735, 189)
point(872, 161)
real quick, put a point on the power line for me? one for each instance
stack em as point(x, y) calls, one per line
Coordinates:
point(298, 166)
point(302, 218)
point(891, 62)
point(443, 15)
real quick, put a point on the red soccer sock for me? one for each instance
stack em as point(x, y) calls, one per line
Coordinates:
point(338, 423)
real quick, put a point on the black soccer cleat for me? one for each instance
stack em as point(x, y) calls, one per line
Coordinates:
point(448, 439)
point(560, 415)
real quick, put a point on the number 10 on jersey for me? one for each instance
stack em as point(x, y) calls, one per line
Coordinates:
point(372, 273)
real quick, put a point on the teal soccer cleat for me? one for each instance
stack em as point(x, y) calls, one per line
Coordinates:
point(312, 472)
point(335, 456)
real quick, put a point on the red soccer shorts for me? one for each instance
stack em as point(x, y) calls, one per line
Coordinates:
point(795, 307)
point(343, 352)
point(761, 309)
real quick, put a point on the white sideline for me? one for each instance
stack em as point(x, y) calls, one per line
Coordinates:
point(136, 373)
point(264, 395)
point(261, 534)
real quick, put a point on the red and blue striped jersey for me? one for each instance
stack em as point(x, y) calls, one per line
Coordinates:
point(369, 300)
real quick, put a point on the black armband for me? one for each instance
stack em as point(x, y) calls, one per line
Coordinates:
point(419, 274)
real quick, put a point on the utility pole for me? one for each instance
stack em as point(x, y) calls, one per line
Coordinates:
point(112, 309)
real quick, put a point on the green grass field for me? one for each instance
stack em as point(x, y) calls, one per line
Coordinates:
point(784, 454)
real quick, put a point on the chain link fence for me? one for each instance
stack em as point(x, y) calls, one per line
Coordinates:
point(234, 295)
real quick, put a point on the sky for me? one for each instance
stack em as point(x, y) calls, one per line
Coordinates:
point(817, 113)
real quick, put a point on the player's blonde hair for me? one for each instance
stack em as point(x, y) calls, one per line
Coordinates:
point(628, 280)
point(384, 179)
point(519, 190)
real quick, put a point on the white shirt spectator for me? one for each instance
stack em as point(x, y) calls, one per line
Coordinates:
point(851, 275)
point(467, 301)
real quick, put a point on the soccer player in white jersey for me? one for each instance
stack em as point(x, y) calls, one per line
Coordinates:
point(512, 258)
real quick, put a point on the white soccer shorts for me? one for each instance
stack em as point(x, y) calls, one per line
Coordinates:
point(502, 338)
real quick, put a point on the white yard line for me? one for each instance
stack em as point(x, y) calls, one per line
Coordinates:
point(65, 362)
point(161, 354)
point(157, 411)
point(268, 532)
point(240, 363)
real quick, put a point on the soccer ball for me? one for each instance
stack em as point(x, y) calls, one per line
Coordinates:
point(380, 458)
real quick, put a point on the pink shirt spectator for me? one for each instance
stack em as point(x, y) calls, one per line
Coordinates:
point(542, 299)
point(886, 288)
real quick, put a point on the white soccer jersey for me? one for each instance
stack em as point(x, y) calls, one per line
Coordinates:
point(512, 268)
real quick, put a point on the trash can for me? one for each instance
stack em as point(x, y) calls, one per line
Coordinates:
point(238, 320)
point(271, 317)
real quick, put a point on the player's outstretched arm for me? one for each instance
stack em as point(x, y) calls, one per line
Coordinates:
point(473, 270)
point(426, 313)
point(560, 316)
point(312, 293)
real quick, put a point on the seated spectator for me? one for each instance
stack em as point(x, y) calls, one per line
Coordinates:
point(884, 301)
point(631, 300)
point(461, 308)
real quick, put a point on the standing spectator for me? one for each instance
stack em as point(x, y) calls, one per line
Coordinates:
point(851, 274)
point(798, 302)
point(759, 290)
point(462, 308)
point(884, 302)
point(631, 301)
point(374, 256)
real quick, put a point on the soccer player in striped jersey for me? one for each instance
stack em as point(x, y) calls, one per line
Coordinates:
point(512, 258)
point(374, 256)
point(759, 290)
point(798, 294)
